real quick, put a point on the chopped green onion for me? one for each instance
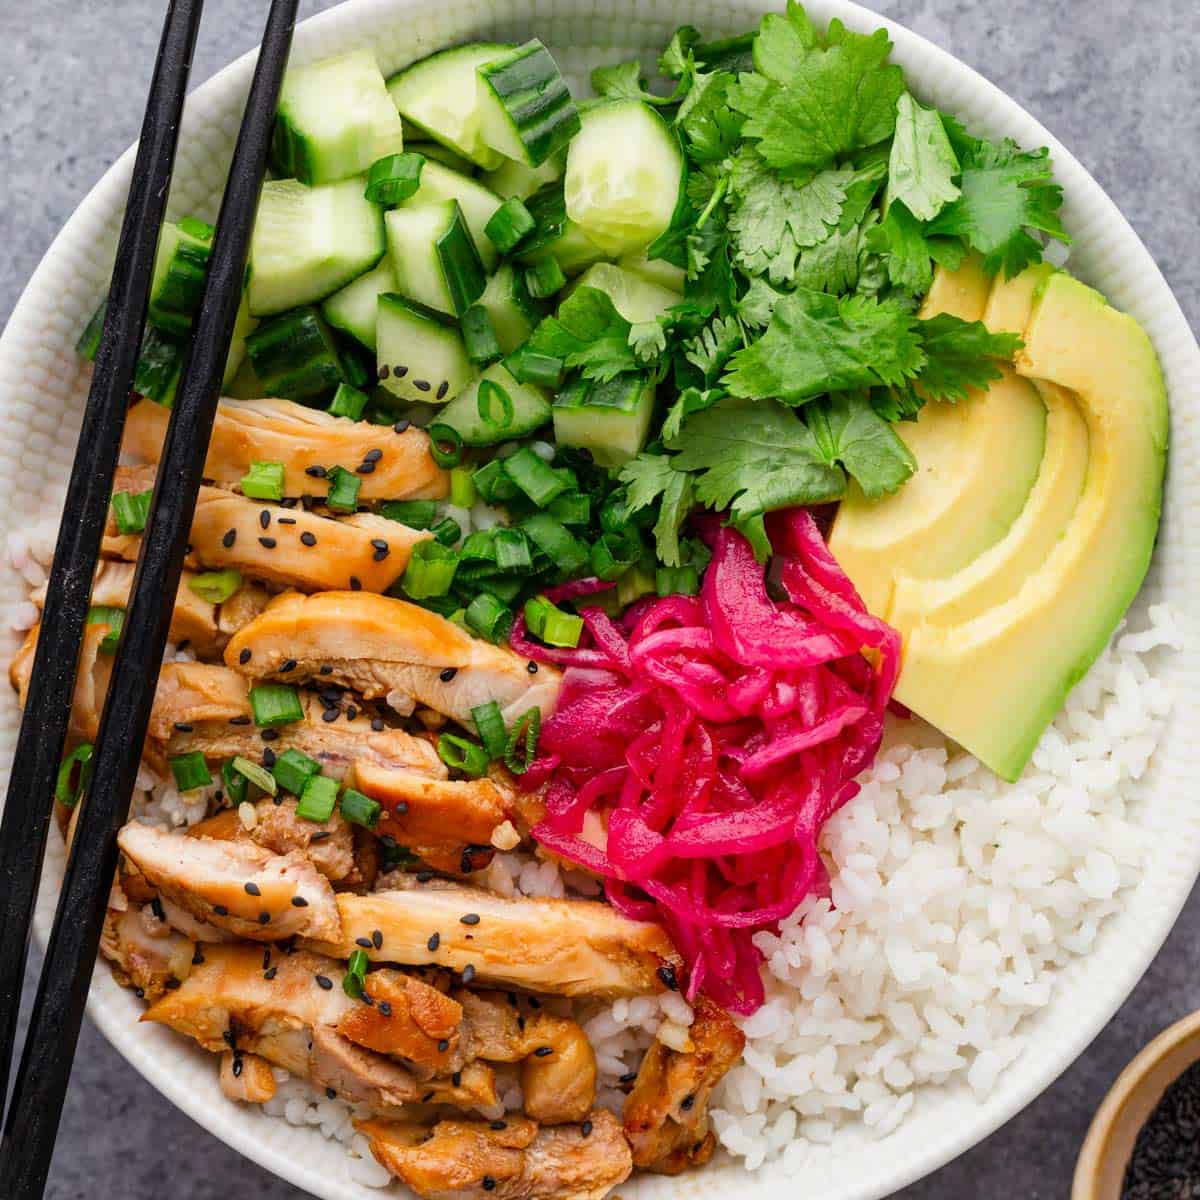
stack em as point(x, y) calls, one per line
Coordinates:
point(416, 514)
point(487, 397)
point(527, 366)
point(190, 771)
point(264, 481)
point(360, 809)
point(479, 335)
point(259, 776)
point(355, 371)
point(490, 723)
point(444, 606)
point(66, 792)
point(293, 769)
point(462, 488)
point(615, 516)
point(505, 587)
point(461, 754)
point(275, 704)
point(235, 783)
point(480, 546)
point(356, 974)
point(430, 570)
point(445, 446)
point(537, 479)
point(571, 508)
point(614, 553)
point(343, 490)
point(509, 224)
point(512, 550)
point(196, 228)
point(523, 741)
point(130, 510)
point(552, 538)
point(633, 585)
point(672, 581)
point(489, 617)
point(447, 531)
point(544, 278)
point(550, 624)
point(348, 402)
point(114, 618)
point(492, 484)
point(394, 179)
point(318, 799)
point(216, 587)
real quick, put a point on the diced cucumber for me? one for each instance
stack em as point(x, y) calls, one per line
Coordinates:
point(516, 179)
point(159, 358)
point(510, 307)
point(295, 357)
point(434, 256)
point(525, 108)
point(657, 270)
point(442, 154)
point(479, 204)
point(635, 298)
point(610, 419)
point(245, 384)
point(310, 241)
point(354, 309)
point(420, 353)
point(556, 235)
point(335, 119)
point(530, 410)
point(242, 328)
point(625, 176)
point(438, 95)
point(180, 268)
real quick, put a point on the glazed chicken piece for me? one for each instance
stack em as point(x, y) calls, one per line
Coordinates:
point(295, 548)
point(290, 1009)
point(91, 679)
point(380, 647)
point(301, 438)
point(146, 952)
point(561, 947)
point(246, 1077)
point(236, 886)
point(666, 1113)
point(503, 1160)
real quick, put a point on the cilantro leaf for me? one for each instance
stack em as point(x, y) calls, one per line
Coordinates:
point(624, 81)
point(647, 340)
point(650, 479)
point(1006, 193)
point(819, 343)
point(773, 219)
point(589, 333)
point(689, 401)
point(901, 239)
point(837, 100)
point(709, 125)
point(709, 286)
point(646, 478)
point(782, 41)
point(711, 348)
point(850, 432)
point(961, 355)
point(754, 457)
point(922, 166)
point(834, 265)
point(757, 305)
point(676, 59)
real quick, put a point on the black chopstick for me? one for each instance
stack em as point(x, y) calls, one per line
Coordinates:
point(39, 748)
point(42, 1079)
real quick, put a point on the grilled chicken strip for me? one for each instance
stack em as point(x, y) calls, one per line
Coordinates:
point(666, 1113)
point(91, 679)
point(503, 1160)
point(236, 886)
point(246, 1077)
point(561, 947)
point(290, 1009)
point(303, 439)
point(295, 548)
point(376, 646)
point(147, 953)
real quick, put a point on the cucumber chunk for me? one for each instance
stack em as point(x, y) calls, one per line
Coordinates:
point(525, 108)
point(556, 235)
point(442, 154)
point(434, 257)
point(657, 270)
point(439, 95)
point(510, 308)
point(243, 326)
point(530, 410)
point(335, 119)
point(420, 353)
point(295, 357)
point(355, 308)
point(635, 298)
point(610, 419)
point(478, 204)
point(180, 268)
point(511, 178)
point(160, 356)
point(625, 176)
point(310, 241)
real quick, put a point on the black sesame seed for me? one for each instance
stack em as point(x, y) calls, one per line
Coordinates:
point(270, 973)
point(373, 455)
point(332, 694)
point(422, 385)
point(183, 727)
point(534, 1002)
point(667, 975)
point(252, 889)
point(266, 958)
point(229, 538)
point(456, 1078)
point(469, 919)
point(351, 712)
point(488, 1183)
point(324, 983)
point(264, 918)
point(468, 973)
point(267, 543)
point(306, 502)
point(237, 1065)
point(498, 1125)
point(443, 388)
point(268, 759)
point(687, 1103)
point(521, 1024)
point(379, 543)
point(628, 1077)
point(425, 1099)
point(330, 1093)
point(197, 957)
point(365, 468)
point(443, 1046)
point(241, 720)
point(157, 909)
point(401, 425)
point(377, 938)
point(330, 715)
point(531, 668)
point(355, 583)
point(269, 735)
point(384, 372)
point(316, 471)
point(325, 669)
point(220, 910)
point(299, 901)
point(308, 538)
point(245, 656)
point(399, 370)
point(229, 1039)
point(321, 835)
point(287, 665)
point(285, 520)
point(376, 724)
point(543, 1051)
point(365, 943)
point(448, 674)
point(264, 518)
point(586, 1129)
point(385, 1008)
point(434, 942)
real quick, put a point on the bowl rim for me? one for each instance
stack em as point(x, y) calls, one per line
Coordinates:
point(107, 1004)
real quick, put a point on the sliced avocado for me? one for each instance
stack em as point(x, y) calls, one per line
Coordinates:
point(1000, 570)
point(993, 682)
point(976, 463)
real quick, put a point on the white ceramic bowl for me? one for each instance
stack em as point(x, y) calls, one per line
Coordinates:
point(42, 386)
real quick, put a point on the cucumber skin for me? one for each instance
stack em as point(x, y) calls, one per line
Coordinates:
point(462, 268)
point(295, 357)
point(179, 283)
point(611, 419)
point(531, 410)
point(419, 320)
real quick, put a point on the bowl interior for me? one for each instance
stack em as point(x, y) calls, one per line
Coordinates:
point(42, 386)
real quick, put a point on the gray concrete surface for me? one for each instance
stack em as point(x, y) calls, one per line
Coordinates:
point(1119, 83)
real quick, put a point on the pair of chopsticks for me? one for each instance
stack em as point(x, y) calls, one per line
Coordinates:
point(32, 1119)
